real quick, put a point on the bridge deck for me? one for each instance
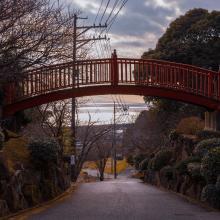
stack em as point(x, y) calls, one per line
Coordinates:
point(138, 76)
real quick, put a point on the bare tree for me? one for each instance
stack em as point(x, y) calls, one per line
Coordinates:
point(50, 120)
point(33, 33)
point(87, 136)
point(53, 120)
point(103, 149)
point(144, 135)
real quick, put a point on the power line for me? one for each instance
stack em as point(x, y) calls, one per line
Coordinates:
point(113, 8)
point(98, 11)
point(104, 11)
point(112, 21)
point(104, 46)
point(114, 18)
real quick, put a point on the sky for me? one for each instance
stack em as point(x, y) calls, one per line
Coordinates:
point(140, 23)
point(138, 26)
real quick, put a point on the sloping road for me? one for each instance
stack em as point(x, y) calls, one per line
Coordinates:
point(124, 199)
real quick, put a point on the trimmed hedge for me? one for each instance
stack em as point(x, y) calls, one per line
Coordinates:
point(2, 138)
point(130, 160)
point(174, 135)
point(44, 152)
point(144, 164)
point(194, 170)
point(167, 172)
point(206, 134)
point(210, 167)
point(182, 166)
point(138, 159)
point(161, 159)
point(203, 147)
point(218, 183)
point(211, 195)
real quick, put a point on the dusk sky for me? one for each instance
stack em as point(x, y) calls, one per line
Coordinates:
point(141, 22)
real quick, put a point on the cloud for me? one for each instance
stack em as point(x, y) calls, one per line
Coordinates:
point(136, 44)
point(141, 22)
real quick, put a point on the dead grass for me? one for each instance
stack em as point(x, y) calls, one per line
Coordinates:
point(121, 166)
point(15, 151)
point(138, 175)
point(190, 125)
point(90, 165)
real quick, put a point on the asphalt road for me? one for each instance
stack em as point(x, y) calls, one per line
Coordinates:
point(124, 199)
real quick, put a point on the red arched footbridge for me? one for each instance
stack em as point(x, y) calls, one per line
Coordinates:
point(115, 75)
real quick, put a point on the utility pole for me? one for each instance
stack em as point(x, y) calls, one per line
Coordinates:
point(77, 44)
point(114, 143)
point(73, 121)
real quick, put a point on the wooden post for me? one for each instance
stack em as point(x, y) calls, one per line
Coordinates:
point(210, 81)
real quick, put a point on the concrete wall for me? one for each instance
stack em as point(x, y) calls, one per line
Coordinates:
point(212, 120)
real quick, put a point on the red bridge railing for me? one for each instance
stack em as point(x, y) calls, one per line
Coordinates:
point(117, 71)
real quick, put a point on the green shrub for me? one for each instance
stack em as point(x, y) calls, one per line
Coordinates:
point(182, 166)
point(137, 160)
point(150, 164)
point(211, 195)
point(130, 160)
point(167, 172)
point(44, 152)
point(217, 185)
point(194, 170)
point(203, 147)
point(173, 135)
point(206, 134)
point(2, 138)
point(190, 125)
point(210, 167)
point(144, 164)
point(161, 159)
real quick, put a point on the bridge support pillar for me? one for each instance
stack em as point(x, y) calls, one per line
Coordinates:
point(0, 113)
point(212, 120)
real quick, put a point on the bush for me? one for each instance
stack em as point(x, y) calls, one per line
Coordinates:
point(167, 172)
point(203, 147)
point(191, 125)
point(150, 164)
point(2, 138)
point(210, 167)
point(130, 160)
point(173, 135)
point(211, 195)
point(144, 164)
point(182, 166)
point(138, 159)
point(194, 170)
point(217, 185)
point(44, 152)
point(206, 134)
point(161, 159)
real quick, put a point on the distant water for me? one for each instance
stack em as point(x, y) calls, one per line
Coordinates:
point(103, 112)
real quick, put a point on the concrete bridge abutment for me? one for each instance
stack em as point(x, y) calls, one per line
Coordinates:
point(212, 120)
